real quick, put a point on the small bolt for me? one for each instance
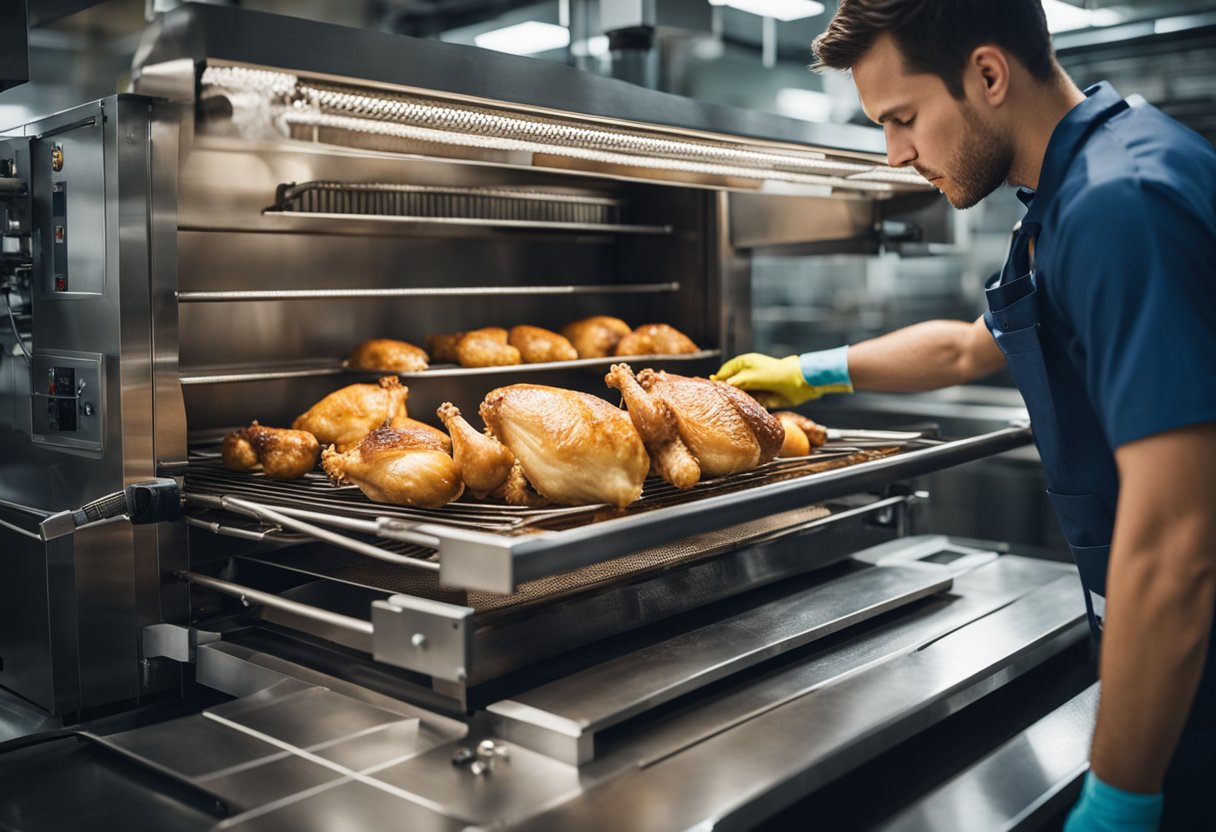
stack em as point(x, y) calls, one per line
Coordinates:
point(479, 768)
point(418, 640)
point(485, 749)
point(244, 600)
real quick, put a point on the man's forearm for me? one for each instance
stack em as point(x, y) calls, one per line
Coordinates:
point(1158, 621)
point(924, 356)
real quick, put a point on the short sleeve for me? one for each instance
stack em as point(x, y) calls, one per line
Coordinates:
point(1137, 281)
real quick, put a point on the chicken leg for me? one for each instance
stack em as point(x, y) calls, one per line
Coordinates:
point(658, 427)
point(484, 462)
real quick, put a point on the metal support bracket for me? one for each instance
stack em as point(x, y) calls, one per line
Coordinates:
point(425, 636)
point(173, 641)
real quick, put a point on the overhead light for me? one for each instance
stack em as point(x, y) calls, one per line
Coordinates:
point(1062, 17)
point(778, 9)
point(526, 38)
point(808, 105)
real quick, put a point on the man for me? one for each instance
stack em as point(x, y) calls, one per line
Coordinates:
point(1105, 313)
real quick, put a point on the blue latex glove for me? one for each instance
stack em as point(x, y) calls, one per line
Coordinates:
point(1105, 808)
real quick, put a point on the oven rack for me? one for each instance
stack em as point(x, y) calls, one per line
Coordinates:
point(236, 374)
point(494, 548)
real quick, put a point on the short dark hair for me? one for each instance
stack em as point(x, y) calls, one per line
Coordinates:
point(937, 36)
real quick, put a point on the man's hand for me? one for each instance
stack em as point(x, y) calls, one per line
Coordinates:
point(774, 382)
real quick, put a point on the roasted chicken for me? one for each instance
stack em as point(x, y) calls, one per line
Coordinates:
point(724, 429)
point(389, 355)
point(656, 423)
point(796, 442)
point(486, 347)
point(346, 416)
point(443, 347)
point(573, 448)
point(281, 454)
point(816, 434)
point(597, 336)
point(484, 462)
point(405, 467)
point(655, 339)
point(536, 345)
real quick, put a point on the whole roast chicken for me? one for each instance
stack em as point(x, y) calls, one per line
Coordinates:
point(573, 448)
point(346, 416)
point(536, 344)
point(281, 454)
point(388, 355)
point(655, 339)
point(597, 336)
point(400, 466)
point(723, 429)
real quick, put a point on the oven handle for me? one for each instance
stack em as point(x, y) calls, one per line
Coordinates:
point(150, 501)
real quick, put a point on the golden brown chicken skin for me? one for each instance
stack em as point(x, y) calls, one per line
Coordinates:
point(656, 423)
point(656, 339)
point(537, 345)
point(442, 348)
point(406, 467)
point(796, 442)
point(345, 416)
point(388, 355)
point(816, 434)
point(597, 336)
point(484, 462)
point(725, 429)
point(486, 347)
point(282, 454)
point(573, 448)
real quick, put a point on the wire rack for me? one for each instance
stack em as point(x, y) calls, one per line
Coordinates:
point(207, 482)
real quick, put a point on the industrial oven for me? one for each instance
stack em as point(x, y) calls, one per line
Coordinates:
point(182, 260)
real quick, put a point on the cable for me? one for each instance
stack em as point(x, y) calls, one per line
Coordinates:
point(12, 322)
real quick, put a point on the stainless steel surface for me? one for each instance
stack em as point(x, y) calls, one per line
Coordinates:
point(563, 717)
point(438, 371)
point(435, 292)
point(1011, 787)
point(428, 637)
point(249, 595)
point(814, 737)
point(975, 594)
point(238, 35)
point(110, 574)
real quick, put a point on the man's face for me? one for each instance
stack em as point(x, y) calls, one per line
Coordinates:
point(953, 143)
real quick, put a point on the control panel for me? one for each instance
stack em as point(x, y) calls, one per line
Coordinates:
point(68, 397)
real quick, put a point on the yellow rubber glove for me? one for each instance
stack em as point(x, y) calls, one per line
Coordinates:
point(789, 381)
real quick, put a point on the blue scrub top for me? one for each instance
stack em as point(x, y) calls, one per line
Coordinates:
point(1126, 265)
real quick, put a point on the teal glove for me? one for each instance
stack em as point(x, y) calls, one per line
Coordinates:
point(1104, 808)
point(789, 381)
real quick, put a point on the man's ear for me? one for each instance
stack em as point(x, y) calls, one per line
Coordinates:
point(988, 73)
